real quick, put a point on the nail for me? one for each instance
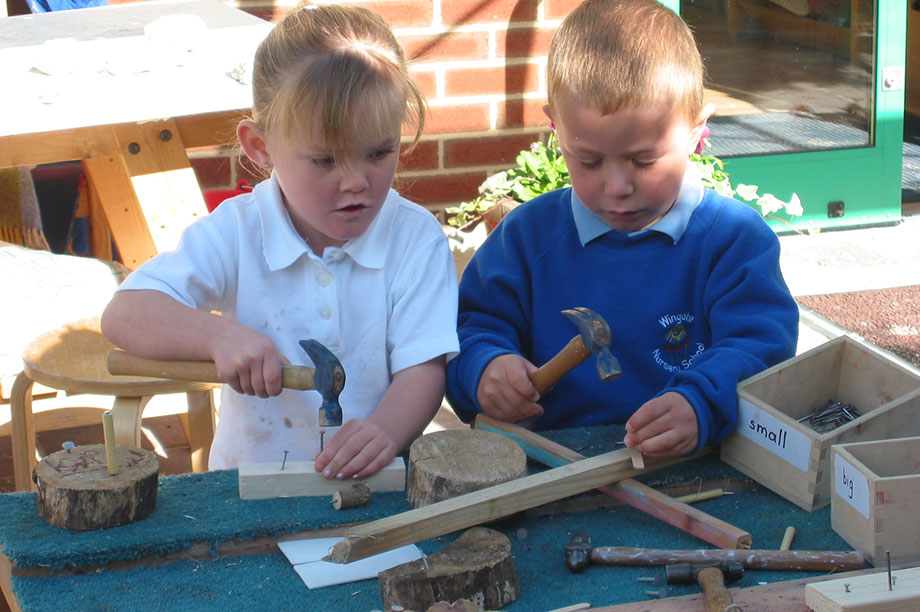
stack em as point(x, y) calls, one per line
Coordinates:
point(67, 445)
point(846, 587)
point(327, 473)
point(283, 461)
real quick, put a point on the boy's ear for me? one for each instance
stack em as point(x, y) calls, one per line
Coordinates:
point(696, 132)
point(253, 142)
point(549, 113)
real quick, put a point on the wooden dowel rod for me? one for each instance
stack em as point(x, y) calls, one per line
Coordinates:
point(108, 431)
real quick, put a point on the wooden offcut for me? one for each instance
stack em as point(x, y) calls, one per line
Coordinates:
point(453, 462)
point(300, 479)
point(869, 593)
point(478, 566)
point(75, 490)
point(486, 505)
point(354, 496)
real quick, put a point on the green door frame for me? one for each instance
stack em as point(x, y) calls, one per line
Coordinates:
point(867, 180)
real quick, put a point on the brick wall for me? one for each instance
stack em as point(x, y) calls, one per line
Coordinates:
point(482, 66)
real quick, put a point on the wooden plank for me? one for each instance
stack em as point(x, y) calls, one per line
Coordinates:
point(629, 491)
point(300, 479)
point(6, 586)
point(868, 593)
point(487, 504)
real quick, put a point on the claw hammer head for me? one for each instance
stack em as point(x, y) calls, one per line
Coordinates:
point(578, 552)
point(596, 336)
point(329, 380)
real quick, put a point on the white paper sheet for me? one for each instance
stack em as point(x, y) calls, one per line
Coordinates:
point(306, 557)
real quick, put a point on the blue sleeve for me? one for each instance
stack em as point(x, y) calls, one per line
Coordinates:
point(753, 320)
point(494, 319)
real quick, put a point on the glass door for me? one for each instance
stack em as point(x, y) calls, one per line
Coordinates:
point(809, 98)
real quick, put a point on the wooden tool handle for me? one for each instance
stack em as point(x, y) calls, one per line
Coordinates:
point(718, 599)
point(550, 372)
point(120, 362)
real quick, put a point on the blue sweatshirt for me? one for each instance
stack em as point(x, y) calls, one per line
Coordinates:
point(692, 310)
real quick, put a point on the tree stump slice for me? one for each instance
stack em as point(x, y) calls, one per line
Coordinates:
point(477, 566)
point(75, 490)
point(449, 463)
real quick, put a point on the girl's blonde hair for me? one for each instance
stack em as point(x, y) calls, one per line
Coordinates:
point(617, 54)
point(342, 62)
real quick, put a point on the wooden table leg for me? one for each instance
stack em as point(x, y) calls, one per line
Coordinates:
point(22, 429)
point(148, 192)
point(126, 417)
point(199, 427)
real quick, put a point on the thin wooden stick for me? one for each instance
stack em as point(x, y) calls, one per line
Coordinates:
point(485, 505)
point(108, 432)
point(629, 491)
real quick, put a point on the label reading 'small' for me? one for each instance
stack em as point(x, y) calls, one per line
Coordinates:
point(774, 435)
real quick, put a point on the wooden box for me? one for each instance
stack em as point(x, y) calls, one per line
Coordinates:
point(875, 501)
point(791, 458)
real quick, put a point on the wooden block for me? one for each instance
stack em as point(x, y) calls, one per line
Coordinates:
point(791, 458)
point(875, 498)
point(448, 463)
point(487, 504)
point(299, 479)
point(478, 566)
point(867, 593)
point(636, 455)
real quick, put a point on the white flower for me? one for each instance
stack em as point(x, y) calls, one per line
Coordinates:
point(770, 204)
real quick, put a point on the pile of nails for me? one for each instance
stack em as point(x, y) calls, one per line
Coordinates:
point(831, 416)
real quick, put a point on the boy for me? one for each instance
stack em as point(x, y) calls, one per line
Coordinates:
point(688, 281)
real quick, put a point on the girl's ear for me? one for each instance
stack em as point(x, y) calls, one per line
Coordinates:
point(697, 130)
point(253, 142)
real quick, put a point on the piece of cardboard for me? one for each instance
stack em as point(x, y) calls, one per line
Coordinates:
point(306, 557)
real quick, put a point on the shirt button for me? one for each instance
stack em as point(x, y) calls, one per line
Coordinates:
point(323, 280)
point(325, 313)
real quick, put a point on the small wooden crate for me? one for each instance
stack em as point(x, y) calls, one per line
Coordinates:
point(791, 458)
point(876, 496)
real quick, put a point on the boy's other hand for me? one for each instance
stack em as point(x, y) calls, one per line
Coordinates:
point(664, 427)
point(249, 362)
point(359, 449)
point(506, 392)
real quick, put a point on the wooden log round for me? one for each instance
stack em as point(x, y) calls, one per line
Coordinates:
point(353, 497)
point(75, 490)
point(453, 462)
point(477, 566)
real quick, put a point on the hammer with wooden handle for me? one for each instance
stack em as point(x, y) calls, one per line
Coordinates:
point(593, 339)
point(328, 377)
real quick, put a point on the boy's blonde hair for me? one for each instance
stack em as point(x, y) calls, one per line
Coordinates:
point(342, 62)
point(617, 54)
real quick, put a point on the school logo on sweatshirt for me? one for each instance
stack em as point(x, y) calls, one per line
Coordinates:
point(678, 349)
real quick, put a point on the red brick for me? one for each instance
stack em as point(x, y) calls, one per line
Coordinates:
point(427, 82)
point(441, 189)
point(557, 9)
point(401, 14)
point(514, 79)
point(486, 151)
point(449, 46)
point(457, 118)
point(523, 42)
point(522, 113)
point(455, 12)
point(423, 157)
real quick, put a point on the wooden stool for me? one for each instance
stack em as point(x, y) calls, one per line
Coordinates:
point(73, 359)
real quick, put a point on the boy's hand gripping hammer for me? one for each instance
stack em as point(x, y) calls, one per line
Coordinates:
point(593, 338)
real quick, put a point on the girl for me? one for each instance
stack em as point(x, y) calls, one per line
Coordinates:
point(323, 249)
